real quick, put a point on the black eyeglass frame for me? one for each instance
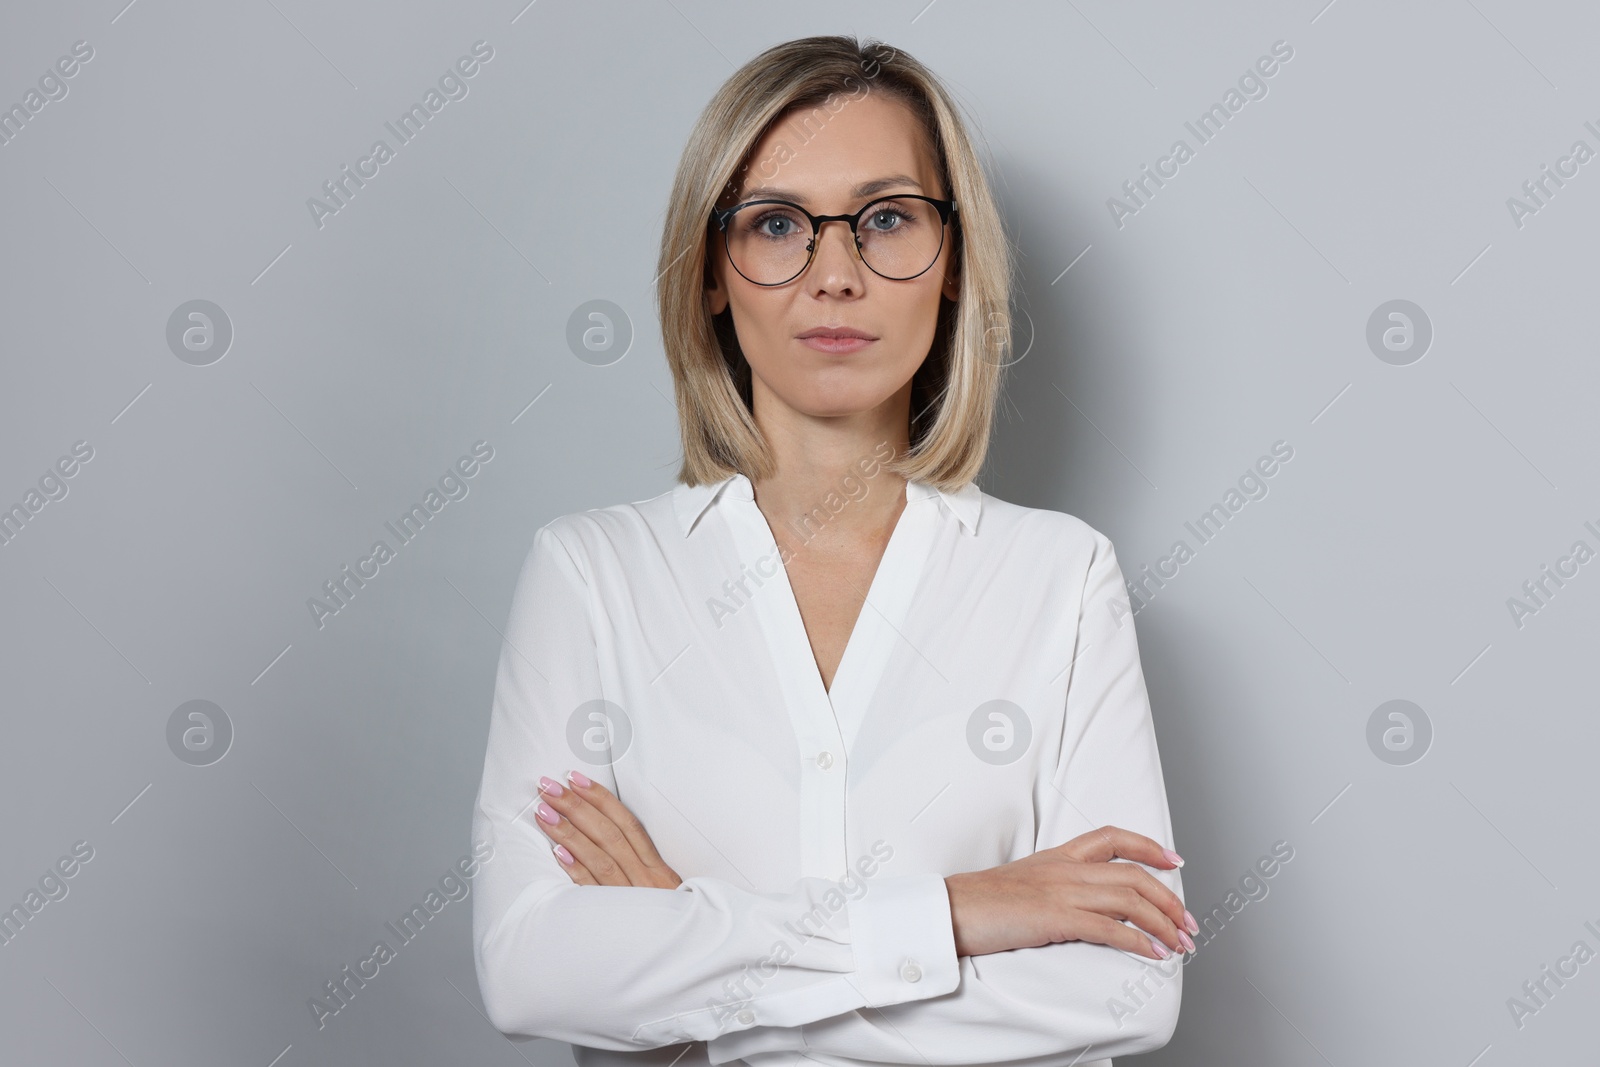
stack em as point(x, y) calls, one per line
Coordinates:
point(946, 209)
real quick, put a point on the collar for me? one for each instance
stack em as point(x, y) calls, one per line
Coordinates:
point(689, 502)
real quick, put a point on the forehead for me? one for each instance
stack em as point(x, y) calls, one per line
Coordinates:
point(839, 152)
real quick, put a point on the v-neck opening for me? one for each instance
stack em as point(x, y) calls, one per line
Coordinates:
point(851, 642)
point(873, 635)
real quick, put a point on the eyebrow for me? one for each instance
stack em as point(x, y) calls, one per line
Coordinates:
point(865, 189)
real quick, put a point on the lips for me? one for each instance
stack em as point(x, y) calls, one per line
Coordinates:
point(837, 340)
point(836, 333)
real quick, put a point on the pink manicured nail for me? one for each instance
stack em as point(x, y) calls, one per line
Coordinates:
point(578, 780)
point(550, 785)
point(1161, 950)
point(1188, 943)
point(548, 814)
point(1172, 857)
point(1194, 927)
point(563, 855)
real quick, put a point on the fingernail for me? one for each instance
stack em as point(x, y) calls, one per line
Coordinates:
point(1187, 942)
point(1161, 950)
point(548, 814)
point(550, 785)
point(1194, 927)
point(578, 780)
point(1172, 857)
point(563, 855)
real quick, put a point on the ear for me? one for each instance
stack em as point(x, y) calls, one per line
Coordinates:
point(952, 285)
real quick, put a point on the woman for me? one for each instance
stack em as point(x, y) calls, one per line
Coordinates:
point(849, 746)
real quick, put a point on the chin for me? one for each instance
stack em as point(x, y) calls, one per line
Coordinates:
point(831, 401)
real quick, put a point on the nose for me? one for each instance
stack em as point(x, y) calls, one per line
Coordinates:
point(836, 258)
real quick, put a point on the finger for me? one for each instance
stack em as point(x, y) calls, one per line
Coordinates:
point(1103, 931)
point(606, 802)
point(1148, 886)
point(1106, 843)
point(560, 830)
point(1113, 842)
point(1127, 903)
point(575, 870)
point(615, 850)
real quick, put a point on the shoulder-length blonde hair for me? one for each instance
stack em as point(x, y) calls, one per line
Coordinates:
point(954, 391)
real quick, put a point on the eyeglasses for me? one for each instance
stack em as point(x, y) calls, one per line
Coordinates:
point(771, 242)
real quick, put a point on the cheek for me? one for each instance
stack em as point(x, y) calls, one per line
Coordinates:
point(757, 322)
point(920, 314)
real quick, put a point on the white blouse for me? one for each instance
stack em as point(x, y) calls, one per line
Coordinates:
point(989, 704)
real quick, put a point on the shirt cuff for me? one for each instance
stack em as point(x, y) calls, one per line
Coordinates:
point(903, 939)
point(904, 947)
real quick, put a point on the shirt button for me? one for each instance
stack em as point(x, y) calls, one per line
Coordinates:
point(911, 972)
point(747, 1017)
point(824, 759)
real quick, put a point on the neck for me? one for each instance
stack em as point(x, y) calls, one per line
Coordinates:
point(830, 488)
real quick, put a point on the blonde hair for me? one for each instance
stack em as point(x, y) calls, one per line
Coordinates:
point(955, 390)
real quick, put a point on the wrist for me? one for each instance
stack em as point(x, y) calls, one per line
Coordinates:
point(953, 884)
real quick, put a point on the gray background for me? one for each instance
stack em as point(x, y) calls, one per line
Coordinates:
point(369, 354)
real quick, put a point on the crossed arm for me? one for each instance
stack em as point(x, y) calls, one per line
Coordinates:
point(600, 842)
point(1072, 893)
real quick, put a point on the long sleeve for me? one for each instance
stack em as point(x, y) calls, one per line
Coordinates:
point(1059, 1000)
point(632, 968)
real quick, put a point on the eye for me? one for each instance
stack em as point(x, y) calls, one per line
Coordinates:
point(889, 216)
point(772, 222)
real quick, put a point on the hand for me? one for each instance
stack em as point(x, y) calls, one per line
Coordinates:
point(606, 843)
point(1073, 893)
